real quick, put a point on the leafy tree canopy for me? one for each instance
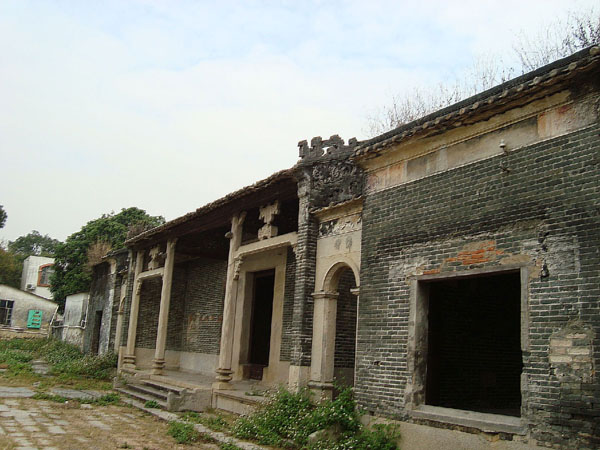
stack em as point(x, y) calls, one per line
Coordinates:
point(3, 216)
point(10, 268)
point(71, 272)
point(33, 244)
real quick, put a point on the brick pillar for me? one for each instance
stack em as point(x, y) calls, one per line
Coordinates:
point(306, 250)
point(129, 358)
point(224, 371)
point(158, 362)
point(323, 344)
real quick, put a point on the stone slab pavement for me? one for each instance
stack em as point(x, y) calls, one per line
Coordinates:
point(28, 424)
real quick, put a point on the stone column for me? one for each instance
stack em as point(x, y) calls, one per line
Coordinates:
point(129, 358)
point(158, 363)
point(120, 311)
point(224, 371)
point(323, 344)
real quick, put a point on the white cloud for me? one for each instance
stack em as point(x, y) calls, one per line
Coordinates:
point(167, 106)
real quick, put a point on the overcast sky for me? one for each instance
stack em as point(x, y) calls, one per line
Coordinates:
point(168, 105)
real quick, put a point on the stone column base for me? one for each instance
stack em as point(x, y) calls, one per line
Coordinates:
point(158, 366)
point(223, 379)
point(321, 390)
point(128, 362)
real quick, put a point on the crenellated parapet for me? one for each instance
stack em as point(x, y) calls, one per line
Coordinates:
point(332, 147)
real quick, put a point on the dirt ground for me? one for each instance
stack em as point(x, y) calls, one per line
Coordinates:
point(37, 424)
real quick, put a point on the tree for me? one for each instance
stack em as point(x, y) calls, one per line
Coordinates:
point(33, 244)
point(557, 40)
point(72, 272)
point(10, 269)
point(3, 216)
point(563, 37)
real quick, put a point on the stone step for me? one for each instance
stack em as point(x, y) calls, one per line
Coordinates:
point(143, 397)
point(236, 402)
point(162, 386)
point(149, 390)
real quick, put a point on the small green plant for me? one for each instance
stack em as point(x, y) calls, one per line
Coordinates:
point(183, 433)
point(151, 404)
point(125, 445)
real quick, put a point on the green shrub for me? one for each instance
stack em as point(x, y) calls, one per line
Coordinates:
point(151, 404)
point(287, 419)
point(183, 433)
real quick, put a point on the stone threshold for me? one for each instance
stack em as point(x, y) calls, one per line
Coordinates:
point(490, 423)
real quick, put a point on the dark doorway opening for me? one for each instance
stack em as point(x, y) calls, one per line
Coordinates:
point(96, 332)
point(474, 359)
point(260, 328)
point(345, 332)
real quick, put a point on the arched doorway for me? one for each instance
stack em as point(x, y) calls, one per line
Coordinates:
point(334, 330)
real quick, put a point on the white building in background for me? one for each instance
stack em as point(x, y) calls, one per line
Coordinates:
point(36, 275)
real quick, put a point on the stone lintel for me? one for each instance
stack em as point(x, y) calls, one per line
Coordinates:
point(343, 209)
point(285, 240)
point(148, 274)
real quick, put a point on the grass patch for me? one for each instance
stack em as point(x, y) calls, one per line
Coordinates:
point(287, 419)
point(107, 399)
point(229, 446)
point(49, 397)
point(214, 422)
point(68, 365)
point(183, 433)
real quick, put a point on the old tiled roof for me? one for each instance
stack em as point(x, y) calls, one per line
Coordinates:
point(239, 194)
point(492, 99)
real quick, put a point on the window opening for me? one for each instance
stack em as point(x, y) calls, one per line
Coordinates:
point(6, 308)
point(44, 275)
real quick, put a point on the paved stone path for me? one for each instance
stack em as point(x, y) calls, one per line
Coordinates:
point(27, 424)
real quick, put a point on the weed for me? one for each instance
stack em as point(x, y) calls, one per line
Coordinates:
point(183, 433)
point(151, 404)
point(125, 445)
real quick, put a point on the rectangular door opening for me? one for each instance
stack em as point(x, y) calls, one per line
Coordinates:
point(260, 325)
point(474, 359)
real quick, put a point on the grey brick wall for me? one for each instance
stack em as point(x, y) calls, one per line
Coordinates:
point(545, 210)
point(288, 305)
point(148, 313)
point(195, 312)
point(203, 314)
